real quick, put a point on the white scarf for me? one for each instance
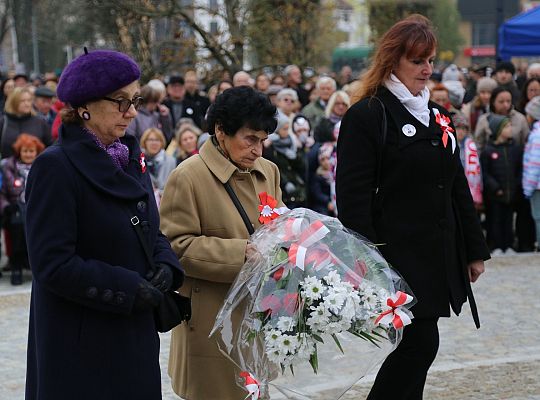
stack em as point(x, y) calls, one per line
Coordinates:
point(416, 105)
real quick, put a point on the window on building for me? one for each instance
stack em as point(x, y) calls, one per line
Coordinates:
point(213, 5)
point(483, 34)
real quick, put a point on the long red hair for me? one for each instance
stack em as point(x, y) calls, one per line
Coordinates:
point(411, 37)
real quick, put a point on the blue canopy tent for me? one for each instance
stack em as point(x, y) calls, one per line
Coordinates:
point(520, 36)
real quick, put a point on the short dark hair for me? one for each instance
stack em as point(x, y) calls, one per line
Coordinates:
point(241, 107)
point(498, 90)
point(505, 66)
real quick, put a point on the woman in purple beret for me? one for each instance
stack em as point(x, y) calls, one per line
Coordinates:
point(92, 333)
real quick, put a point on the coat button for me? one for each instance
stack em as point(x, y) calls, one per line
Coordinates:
point(141, 206)
point(440, 186)
point(435, 142)
point(144, 226)
point(119, 298)
point(91, 292)
point(107, 296)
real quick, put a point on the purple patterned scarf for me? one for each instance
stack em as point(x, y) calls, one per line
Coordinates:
point(118, 151)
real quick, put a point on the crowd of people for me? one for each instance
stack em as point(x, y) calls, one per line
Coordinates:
point(152, 190)
point(495, 118)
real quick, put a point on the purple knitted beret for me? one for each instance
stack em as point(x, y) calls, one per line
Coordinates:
point(94, 75)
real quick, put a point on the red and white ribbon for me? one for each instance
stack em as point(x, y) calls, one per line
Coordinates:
point(444, 123)
point(252, 385)
point(268, 210)
point(396, 315)
point(142, 161)
point(293, 228)
point(297, 252)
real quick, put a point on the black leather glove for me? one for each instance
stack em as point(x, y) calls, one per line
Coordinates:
point(147, 297)
point(162, 278)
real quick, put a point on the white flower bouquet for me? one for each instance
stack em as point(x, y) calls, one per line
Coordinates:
point(317, 304)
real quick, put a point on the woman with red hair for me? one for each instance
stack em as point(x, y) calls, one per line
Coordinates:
point(15, 170)
point(400, 183)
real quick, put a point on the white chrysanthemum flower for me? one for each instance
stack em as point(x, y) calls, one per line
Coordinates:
point(275, 356)
point(306, 347)
point(313, 288)
point(271, 337)
point(286, 324)
point(332, 278)
point(334, 300)
point(348, 310)
point(287, 344)
point(318, 315)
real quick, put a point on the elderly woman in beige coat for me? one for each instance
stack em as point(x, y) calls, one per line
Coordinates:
point(209, 236)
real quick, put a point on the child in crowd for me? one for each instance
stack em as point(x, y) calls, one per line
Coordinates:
point(501, 169)
point(322, 181)
point(302, 131)
point(469, 158)
point(15, 171)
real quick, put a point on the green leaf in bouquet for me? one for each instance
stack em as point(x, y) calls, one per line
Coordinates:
point(283, 282)
point(251, 336)
point(313, 360)
point(280, 257)
point(337, 343)
point(317, 338)
point(380, 335)
point(366, 336)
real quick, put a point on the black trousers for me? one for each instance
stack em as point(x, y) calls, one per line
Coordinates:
point(501, 220)
point(403, 374)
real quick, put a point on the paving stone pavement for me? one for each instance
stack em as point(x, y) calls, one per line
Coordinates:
point(501, 361)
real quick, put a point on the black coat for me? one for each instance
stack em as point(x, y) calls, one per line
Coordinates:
point(321, 196)
point(190, 109)
point(291, 176)
point(501, 170)
point(424, 215)
point(85, 341)
point(16, 125)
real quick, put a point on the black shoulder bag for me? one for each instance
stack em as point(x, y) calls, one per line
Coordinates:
point(174, 308)
point(239, 207)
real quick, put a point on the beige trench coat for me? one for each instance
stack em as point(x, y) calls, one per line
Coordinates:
point(210, 238)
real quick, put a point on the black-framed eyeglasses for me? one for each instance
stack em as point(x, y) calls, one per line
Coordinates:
point(124, 104)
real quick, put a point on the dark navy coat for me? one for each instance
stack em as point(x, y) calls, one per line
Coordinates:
point(423, 215)
point(85, 341)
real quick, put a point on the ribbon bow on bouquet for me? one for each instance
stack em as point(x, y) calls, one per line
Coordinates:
point(396, 314)
point(251, 385)
point(444, 123)
point(298, 251)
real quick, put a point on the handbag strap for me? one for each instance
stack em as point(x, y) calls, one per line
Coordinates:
point(239, 207)
point(381, 148)
point(137, 226)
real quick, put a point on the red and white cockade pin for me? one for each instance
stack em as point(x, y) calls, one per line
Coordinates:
point(142, 161)
point(18, 182)
point(444, 123)
point(268, 209)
